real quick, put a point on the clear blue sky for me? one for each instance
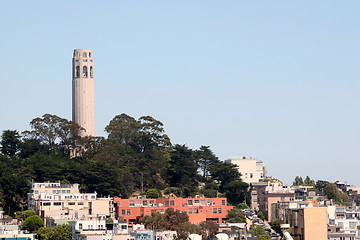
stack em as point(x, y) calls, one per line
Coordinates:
point(277, 80)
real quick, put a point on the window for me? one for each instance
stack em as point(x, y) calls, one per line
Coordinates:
point(67, 191)
point(91, 72)
point(190, 202)
point(162, 210)
point(89, 54)
point(352, 225)
point(219, 210)
point(46, 204)
point(145, 202)
point(340, 224)
point(63, 191)
point(195, 210)
point(190, 210)
point(85, 71)
point(196, 201)
point(54, 191)
point(128, 212)
point(166, 203)
point(71, 203)
point(223, 202)
point(36, 191)
point(80, 203)
point(77, 71)
point(251, 175)
point(84, 54)
point(131, 202)
point(80, 225)
point(172, 203)
point(92, 197)
point(123, 212)
point(215, 210)
point(57, 203)
point(151, 201)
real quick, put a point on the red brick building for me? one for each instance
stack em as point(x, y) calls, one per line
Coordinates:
point(198, 209)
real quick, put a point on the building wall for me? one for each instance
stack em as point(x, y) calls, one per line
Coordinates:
point(307, 223)
point(251, 169)
point(83, 91)
point(64, 201)
point(271, 194)
point(198, 209)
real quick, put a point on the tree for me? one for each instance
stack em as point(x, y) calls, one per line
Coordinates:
point(205, 158)
point(185, 229)
point(298, 181)
point(33, 223)
point(182, 170)
point(43, 233)
point(235, 191)
point(59, 232)
point(52, 131)
point(153, 193)
point(175, 218)
point(10, 142)
point(174, 190)
point(209, 229)
point(261, 215)
point(259, 232)
point(332, 192)
point(235, 215)
point(309, 182)
point(24, 214)
point(123, 129)
point(170, 220)
point(275, 224)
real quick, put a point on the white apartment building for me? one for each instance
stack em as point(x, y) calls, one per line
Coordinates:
point(251, 169)
point(64, 201)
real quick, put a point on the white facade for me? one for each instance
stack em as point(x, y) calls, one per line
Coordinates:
point(83, 97)
point(251, 169)
point(64, 201)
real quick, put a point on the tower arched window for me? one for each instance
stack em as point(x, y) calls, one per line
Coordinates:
point(85, 71)
point(91, 72)
point(84, 54)
point(90, 54)
point(77, 71)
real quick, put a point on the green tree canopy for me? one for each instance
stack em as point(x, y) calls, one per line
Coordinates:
point(10, 142)
point(33, 223)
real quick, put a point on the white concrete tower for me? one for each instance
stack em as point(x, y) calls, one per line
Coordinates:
point(83, 99)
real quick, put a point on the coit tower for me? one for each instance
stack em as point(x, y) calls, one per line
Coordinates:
point(83, 100)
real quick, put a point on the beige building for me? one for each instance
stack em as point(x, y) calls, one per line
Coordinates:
point(309, 223)
point(83, 97)
point(271, 194)
point(251, 169)
point(64, 201)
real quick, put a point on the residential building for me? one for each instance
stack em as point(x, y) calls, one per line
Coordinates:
point(10, 229)
point(346, 218)
point(252, 197)
point(99, 229)
point(251, 169)
point(278, 210)
point(273, 193)
point(198, 209)
point(335, 233)
point(64, 201)
point(309, 223)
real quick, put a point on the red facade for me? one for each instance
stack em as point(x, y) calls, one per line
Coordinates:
point(198, 209)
